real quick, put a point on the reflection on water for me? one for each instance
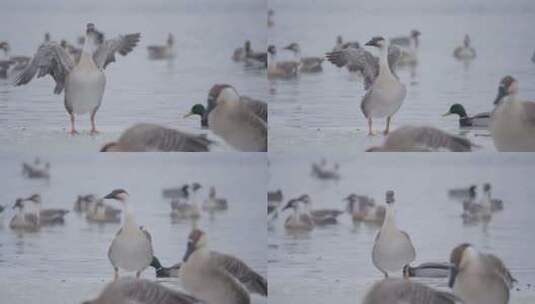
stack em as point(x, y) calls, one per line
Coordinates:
point(333, 263)
point(68, 263)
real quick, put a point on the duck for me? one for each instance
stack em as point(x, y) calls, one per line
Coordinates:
point(300, 219)
point(11, 65)
point(205, 279)
point(214, 203)
point(466, 51)
point(131, 248)
point(320, 217)
point(392, 248)
point(427, 270)
point(160, 52)
point(232, 120)
point(512, 123)
point(409, 45)
point(479, 278)
point(23, 221)
point(99, 212)
point(46, 216)
point(187, 207)
point(84, 202)
point(423, 139)
point(254, 59)
point(363, 209)
point(321, 171)
point(461, 193)
point(84, 81)
point(35, 171)
point(479, 120)
point(140, 291)
point(403, 291)
point(308, 64)
point(281, 69)
point(384, 92)
point(495, 204)
point(148, 137)
point(475, 212)
point(175, 192)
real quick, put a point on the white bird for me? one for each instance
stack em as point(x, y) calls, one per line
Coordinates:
point(131, 249)
point(84, 81)
point(22, 220)
point(101, 213)
point(404, 291)
point(479, 278)
point(466, 51)
point(393, 248)
point(307, 64)
point(299, 219)
point(83, 202)
point(512, 123)
point(204, 279)
point(159, 52)
point(385, 93)
point(409, 45)
point(281, 69)
point(363, 209)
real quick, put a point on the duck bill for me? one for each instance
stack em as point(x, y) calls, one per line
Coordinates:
point(453, 276)
point(189, 251)
point(188, 115)
point(501, 93)
point(446, 114)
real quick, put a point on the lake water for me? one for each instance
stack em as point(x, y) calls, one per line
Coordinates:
point(333, 264)
point(137, 90)
point(322, 111)
point(69, 263)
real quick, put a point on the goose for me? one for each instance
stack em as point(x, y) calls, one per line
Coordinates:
point(147, 137)
point(474, 212)
point(427, 270)
point(478, 120)
point(22, 220)
point(139, 291)
point(175, 192)
point(393, 248)
point(159, 52)
point(34, 171)
point(512, 123)
point(131, 248)
point(363, 209)
point(234, 121)
point(100, 213)
point(495, 204)
point(409, 45)
point(187, 207)
point(461, 193)
point(403, 291)
point(46, 216)
point(320, 217)
point(254, 59)
point(83, 202)
point(83, 81)
point(213, 203)
point(11, 65)
point(479, 278)
point(280, 69)
point(205, 279)
point(239, 53)
point(253, 281)
point(385, 93)
point(300, 219)
point(423, 139)
point(466, 51)
point(308, 64)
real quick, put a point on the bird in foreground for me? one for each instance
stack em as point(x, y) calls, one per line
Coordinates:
point(147, 137)
point(84, 81)
point(512, 123)
point(384, 92)
point(479, 278)
point(22, 220)
point(204, 279)
point(393, 248)
point(233, 120)
point(300, 219)
point(423, 139)
point(479, 120)
point(466, 51)
point(160, 52)
point(308, 64)
point(139, 291)
point(281, 69)
point(131, 248)
point(404, 291)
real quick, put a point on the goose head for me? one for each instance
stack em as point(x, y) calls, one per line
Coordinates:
point(118, 194)
point(196, 240)
point(185, 189)
point(390, 197)
point(93, 38)
point(456, 109)
point(221, 93)
point(272, 50)
point(458, 259)
point(294, 47)
point(508, 86)
point(47, 37)
point(4, 46)
point(292, 204)
point(18, 204)
point(351, 199)
point(487, 188)
point(378, 42)
point(35, 198)
point(247, 47)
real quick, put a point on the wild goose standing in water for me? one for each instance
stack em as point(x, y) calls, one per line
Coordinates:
point(479, 120)
point(393, 248)
point(131, 249)
point(512, 123)
point(146, 137)
point(233, 120)
point(466, 51)
point(204, 279)
point(308, 64)
point(84, 81)
point(385, 93)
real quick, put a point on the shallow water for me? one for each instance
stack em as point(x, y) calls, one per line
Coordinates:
point(333, 264)
point(137, 89)
point(69, 263)
point(322, 111)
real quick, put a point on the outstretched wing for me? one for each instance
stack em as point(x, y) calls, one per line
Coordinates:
point(123, 44)
point(357, 59)
point(52, 59)
point(394, 53)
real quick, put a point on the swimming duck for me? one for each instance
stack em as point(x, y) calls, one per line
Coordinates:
point(83, 202)
point(22, 220)
point(159, 52)
point(214, 203)
point(466, 51)
point(131, 248)
point(205, 279)
point(254, 59)
point(308, 64)
point(46, 216)
point(385, 93)
point(475, 212)
point(187, 207)
point(512, 123)
point(35, 170)
point(393, 248)
point(320, 217)
point(478, 120)
point(409, 45)
point(423, 139)
point(403, 291)
point(363, 209)
point(300, 219)
point(280, 69)
point(461, 193)
point(101, 213)
point(11, 65)
point(146, 137)
point(495, 204)
point(84, 81)
point(237, 122)
point(321, 171)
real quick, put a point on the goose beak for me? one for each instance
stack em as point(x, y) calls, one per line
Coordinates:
point(189, 251)
point(109, 196)
point(446, 114)
point(188, 115)
point(453, 275)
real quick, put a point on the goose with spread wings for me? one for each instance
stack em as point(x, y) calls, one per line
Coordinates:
point(83, 81)
point(384, 92)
